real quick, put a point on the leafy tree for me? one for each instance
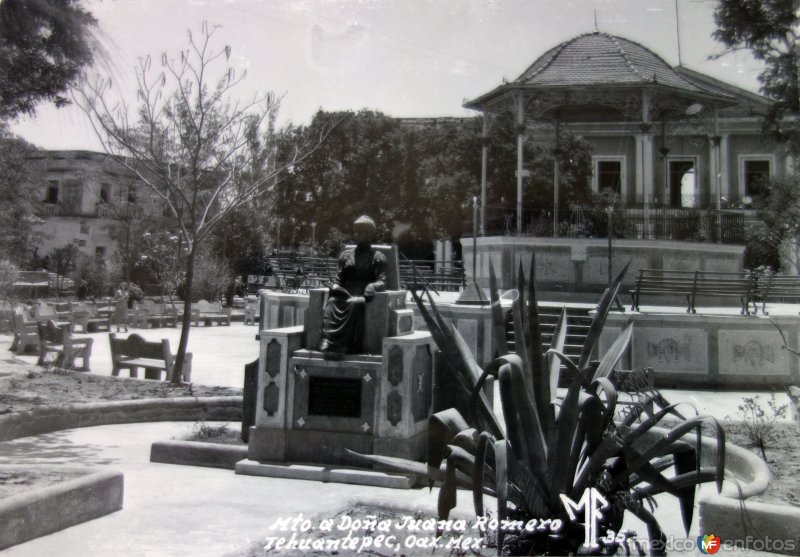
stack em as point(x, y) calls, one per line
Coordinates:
point(63, 261)
point(212, 277)
point(357, 170)
point(43, 46)
point(779, 209)
point(90, 277)
point(8, 276)
point(768, 29)
point(159, 265)
point(16, 175)
point(240, 240)
point(200, 150)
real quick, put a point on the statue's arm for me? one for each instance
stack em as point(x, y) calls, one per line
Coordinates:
point(379, 284)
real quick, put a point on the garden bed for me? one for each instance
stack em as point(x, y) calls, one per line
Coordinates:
point(24, 386)
point(783, 460)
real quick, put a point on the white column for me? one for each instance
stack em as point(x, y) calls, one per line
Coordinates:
point(724, 165)
point(520, 156)
point(640, 168)
point(648, 169)
point(484, 170)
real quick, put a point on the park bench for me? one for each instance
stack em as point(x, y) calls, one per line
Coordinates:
point(690, 284)
point(210, 312)
point(46, 311)
point(252, 306)
point(135, 352)
point(57, 340)
point(84, 315)
point(289, 274)
point(156, 314)
point(776, 288)
point(26, 331)
point(319, 271)
point(436, 275)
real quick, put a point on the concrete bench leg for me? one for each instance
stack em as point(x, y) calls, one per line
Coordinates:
point(152, 373)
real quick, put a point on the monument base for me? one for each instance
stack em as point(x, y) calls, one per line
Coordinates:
point(314, 472)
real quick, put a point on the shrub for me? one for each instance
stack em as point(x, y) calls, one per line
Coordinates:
point(211, 277)
point(549, 451)
point(759, 424)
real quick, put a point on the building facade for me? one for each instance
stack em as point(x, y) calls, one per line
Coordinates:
point(86, 198)
point(665, 140)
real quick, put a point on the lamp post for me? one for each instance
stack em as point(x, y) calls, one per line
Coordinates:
point(314, 238)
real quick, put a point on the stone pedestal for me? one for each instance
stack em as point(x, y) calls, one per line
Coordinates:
point(312, 410)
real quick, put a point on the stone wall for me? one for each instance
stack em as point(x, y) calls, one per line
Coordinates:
point(569, 268)
point(713, 351)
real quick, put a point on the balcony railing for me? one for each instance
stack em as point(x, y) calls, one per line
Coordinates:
point(48, 209)
point(641, 222)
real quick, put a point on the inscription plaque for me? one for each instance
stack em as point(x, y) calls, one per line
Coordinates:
point(332, 396)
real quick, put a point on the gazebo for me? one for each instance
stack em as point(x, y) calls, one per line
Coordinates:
point(649, 123)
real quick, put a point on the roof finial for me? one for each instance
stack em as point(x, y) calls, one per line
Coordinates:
point(595, 21)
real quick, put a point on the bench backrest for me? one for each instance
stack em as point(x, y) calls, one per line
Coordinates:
point(20, 316)
point(83, 307)
point(51, 333)
point(45, 309)
point(137, 347)
point(153, 306)
point(207, 307)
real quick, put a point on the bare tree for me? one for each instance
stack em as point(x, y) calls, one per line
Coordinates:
point(201, 150)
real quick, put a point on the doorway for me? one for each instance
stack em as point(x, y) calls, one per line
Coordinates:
point(682, 183)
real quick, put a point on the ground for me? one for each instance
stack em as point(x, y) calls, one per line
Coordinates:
point(24, 386)
point(783, 459)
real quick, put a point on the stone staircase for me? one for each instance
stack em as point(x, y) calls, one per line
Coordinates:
point(578, 322)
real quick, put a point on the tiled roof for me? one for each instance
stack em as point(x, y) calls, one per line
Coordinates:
point(599, 59)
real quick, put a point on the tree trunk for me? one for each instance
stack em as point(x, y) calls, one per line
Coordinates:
point(187, 318)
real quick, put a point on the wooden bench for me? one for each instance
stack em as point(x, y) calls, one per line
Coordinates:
point(84, 314)
point(26, 331)
point(776, 288)
point(210, 312)
point(728, 285)
point(690, 284)
point(58, 340)
point(134, 352)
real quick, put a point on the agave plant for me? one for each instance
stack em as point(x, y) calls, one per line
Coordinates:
point(549, 450)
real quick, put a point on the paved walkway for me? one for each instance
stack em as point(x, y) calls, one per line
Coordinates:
point(220, 353)
point(176, 510)
point(183, 510)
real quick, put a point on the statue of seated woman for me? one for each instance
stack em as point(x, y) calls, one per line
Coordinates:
point(361, 273)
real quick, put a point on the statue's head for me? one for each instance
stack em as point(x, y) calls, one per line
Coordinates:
point(365, 230)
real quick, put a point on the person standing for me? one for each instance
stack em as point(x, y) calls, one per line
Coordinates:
point(120, 316)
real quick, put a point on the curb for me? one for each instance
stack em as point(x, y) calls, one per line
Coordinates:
point(43, 511)
point(325, 473)
point(195, 453)
point(747, 524)
point(752, 525)
point(47, 420)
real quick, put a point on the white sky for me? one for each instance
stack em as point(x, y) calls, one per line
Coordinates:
point(402, 57)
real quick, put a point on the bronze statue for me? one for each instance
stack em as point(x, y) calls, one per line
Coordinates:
point(362, 273)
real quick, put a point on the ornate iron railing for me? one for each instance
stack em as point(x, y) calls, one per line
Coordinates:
point(639, 222)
